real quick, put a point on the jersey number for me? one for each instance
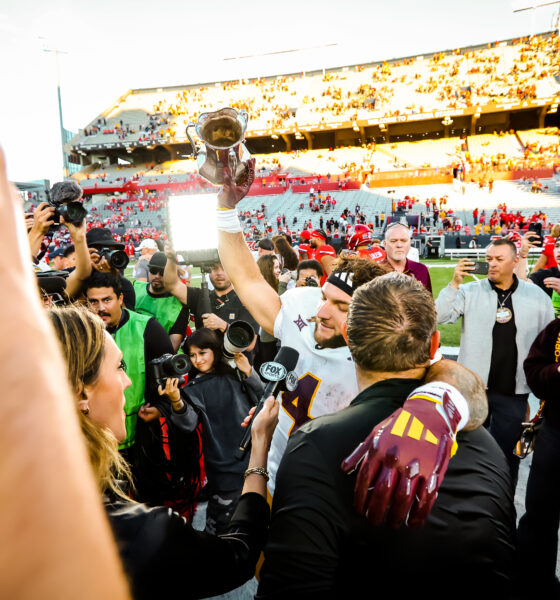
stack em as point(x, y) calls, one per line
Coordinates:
point(298, 403)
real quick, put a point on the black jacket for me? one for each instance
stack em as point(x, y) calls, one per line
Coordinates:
point(162, 553)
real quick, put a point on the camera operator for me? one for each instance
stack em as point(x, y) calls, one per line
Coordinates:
point(309, 271)
point(100, 241)
point(141, 339)
point(226, 305)
point(45, 217)
point(153, 299)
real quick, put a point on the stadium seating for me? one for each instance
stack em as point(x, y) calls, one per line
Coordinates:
point(497, 74)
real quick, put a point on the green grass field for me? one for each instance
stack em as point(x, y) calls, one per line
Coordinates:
point(441, 273)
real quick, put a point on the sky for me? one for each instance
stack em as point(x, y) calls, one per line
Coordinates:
point(109, 47)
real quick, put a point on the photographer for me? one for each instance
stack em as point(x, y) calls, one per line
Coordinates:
point(101, 247)
point(309, 270)
point(223, 396)
point(225, 304)
point(65, 209)
point(153, 299)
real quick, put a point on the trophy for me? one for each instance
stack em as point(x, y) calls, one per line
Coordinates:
point(223, 134)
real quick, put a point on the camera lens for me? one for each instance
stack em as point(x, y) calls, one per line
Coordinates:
point(181, 364)
point(117, 259)
point(239, 337)
point(74, 212)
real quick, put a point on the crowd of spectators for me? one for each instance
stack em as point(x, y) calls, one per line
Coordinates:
point(520, 70)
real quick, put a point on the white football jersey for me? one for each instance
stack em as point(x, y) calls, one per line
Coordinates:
point(326, 377)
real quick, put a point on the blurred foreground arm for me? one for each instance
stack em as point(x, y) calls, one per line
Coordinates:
point(56, 541)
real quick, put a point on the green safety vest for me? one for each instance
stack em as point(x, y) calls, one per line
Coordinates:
point(165, 309)
point(130, 340)
point(556, 303)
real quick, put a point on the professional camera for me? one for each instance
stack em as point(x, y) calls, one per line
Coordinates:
point(170, 366)
point(116, 258)
point(64, 197)
point(237, 338)
point(311, 282)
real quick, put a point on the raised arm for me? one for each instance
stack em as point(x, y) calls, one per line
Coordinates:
point(171, 279)
point(238, 262)
point(52, 522)
point(83, 261)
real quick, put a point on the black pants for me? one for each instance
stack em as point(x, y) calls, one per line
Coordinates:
point(504, 423)
point(538, 528)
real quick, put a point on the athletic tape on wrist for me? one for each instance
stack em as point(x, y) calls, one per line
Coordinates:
point(435, 390)
point(227, 220)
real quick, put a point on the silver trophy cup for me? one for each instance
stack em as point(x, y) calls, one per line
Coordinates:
point(222, 133)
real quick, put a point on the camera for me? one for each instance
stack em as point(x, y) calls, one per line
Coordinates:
point(116, 258)
point(237, 338)
point(170, 366)
point(311, 282)
point(64, 198)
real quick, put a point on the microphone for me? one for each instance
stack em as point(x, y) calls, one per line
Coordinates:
point(275, 371)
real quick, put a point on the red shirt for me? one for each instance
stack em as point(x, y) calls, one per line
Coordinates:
point(376, 254)
point(548, 251)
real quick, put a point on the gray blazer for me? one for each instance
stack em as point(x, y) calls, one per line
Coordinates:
point(477, 303)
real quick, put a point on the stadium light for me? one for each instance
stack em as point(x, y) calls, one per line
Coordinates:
point(191, 227)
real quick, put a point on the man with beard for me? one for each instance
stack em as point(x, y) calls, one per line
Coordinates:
point(140, 338)
point(153, 299)
point(225, 305)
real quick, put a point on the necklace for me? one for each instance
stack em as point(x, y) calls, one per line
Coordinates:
point(503, 314)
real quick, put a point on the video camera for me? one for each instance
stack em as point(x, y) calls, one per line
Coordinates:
point(118, 259)
point(237, 338)
point(64, 197)
point(170, 366)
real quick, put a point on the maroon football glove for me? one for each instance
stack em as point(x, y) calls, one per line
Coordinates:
point(231, 192)
point(403, 460)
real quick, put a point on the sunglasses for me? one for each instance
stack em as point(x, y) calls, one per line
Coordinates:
point(156, 270)
point(395, 223)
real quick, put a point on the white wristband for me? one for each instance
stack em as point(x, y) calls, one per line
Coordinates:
point(436, 389)
point(228, 221)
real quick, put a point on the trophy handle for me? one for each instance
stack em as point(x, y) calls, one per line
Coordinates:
point(245, 115)
point(195, 149)
point(232, 160)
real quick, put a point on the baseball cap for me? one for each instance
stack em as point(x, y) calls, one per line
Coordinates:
point(148, 243)
point(158, 260)
point(101, 236)
point(305, 234)
point(56, 252)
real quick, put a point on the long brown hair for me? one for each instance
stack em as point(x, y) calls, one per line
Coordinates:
point(82, 338)
point(266, 265)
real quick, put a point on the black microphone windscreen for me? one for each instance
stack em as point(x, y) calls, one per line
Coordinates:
point(287, 357)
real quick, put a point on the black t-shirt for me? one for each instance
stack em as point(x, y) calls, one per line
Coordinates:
point(541, 275)
point(228, 307)
point(503, 363)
